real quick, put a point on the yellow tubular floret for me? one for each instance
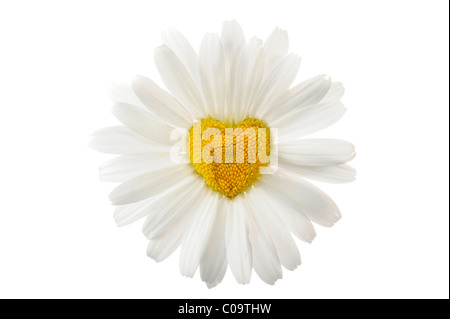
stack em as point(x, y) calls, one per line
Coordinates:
point(232, 163)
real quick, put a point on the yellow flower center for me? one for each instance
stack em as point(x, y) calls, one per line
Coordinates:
point(229, 157)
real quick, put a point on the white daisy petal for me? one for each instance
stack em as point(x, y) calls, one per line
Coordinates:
point(214, 258)
point(317, 152)
point(303, 196)
point(329, 174)
point(293, 217)
point(159, 204)
point(129, 213)
point(122, 140)
point(212, 74)
point(149, 184)
point(335, 93)
point(162, 246)
point(276, 84)
point(123, 93)
point(161, 103)
point(220, 276)
point(311, 120)
point(173, 206)
point(239, 250)
point(232, 37)
point(197, 235)
point(178, 80)
point(299, 97)
point(243, 63)
point(143, 122)
point(310, 92)
point(286, 248)
point(276, 47)
point(175, 40)
point(122, 168)
point(277, 44)
point(265, 257)
point(254, 84)
point(250, 73)
point(233, 41)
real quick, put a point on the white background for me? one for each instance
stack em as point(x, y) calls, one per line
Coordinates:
point(57, 61)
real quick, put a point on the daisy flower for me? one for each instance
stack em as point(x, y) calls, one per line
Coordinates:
point(235, 191)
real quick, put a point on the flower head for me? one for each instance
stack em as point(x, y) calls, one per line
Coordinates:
point(218, 166)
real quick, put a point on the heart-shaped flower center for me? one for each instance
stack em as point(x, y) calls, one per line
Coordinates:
point(229, 157)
